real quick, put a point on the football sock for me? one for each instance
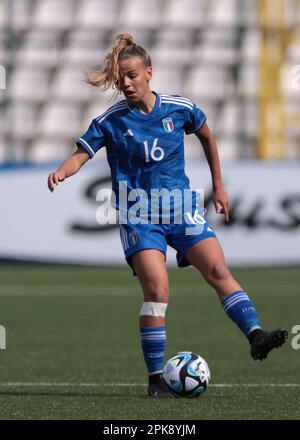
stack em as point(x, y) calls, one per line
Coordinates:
point(241, 310)
point(153, 343)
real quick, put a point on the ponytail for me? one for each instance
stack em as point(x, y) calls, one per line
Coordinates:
point(124, 47)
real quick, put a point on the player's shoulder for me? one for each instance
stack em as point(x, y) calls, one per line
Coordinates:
point(112, 111)
point(176, 100)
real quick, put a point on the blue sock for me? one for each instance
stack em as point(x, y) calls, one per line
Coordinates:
point(154, 343)
point(241, 310)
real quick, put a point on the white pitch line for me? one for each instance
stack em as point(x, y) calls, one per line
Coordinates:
point(62, 290)
point(95, 385)
point(255, 385)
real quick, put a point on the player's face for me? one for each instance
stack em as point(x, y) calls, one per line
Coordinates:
point(134, 78)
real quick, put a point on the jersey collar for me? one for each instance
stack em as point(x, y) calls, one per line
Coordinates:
point(155, 110)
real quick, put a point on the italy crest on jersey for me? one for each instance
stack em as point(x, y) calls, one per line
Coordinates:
point(168, 124)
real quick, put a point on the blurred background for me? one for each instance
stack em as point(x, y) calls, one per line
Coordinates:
point(239, 60)
point(235, 58)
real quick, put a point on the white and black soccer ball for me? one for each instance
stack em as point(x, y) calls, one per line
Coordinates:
point(187, 374)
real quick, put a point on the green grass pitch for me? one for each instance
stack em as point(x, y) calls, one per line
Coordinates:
point(73, 346)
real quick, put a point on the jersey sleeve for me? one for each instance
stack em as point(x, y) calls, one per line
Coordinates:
point(195, 118)
point(93, 139)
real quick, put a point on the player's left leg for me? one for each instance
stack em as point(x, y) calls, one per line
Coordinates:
point(208, 257)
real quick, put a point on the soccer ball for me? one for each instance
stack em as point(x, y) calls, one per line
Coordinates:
point(187, 374)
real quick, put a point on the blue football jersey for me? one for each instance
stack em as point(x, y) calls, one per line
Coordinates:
point(145, 150)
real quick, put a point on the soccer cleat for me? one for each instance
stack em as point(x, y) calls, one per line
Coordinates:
point(263, 342)
point(157, 387)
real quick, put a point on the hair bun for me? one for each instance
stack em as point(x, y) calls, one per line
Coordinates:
point(128, 38)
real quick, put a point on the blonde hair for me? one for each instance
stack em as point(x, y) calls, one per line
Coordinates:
point(124, 47)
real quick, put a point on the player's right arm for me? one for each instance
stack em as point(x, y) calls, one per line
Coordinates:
point(69, 167)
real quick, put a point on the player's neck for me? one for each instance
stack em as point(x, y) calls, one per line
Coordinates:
point(146, 104)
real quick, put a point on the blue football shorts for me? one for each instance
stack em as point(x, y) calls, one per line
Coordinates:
point(137, 237)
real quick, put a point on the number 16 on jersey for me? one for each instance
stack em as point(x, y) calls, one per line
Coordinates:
point(153, 151)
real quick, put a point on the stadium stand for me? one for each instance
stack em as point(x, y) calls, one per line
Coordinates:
point(209, 51)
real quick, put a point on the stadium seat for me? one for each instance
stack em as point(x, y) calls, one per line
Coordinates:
point(16, 151)
point(3, 14)
point(293, 13)
point(30, 84)
point(40, 48)
point(216, 36)
point(69, 84)
point(59, 119)
point(188, 14)
point(53, 14)
point(49, 149)
point(96, 14)
point(84, 48)
point(20, 14)
point(287, 85)
point(213, 55)
point(292, 148)
point(228, 147)
point(223, 13)
point(140, 14)
point(230, 117)
point(208, 107)
point(166, 79)
point(248, 84)
point(192, 147)
point(3, 155)
point(173, 47)
point(3, 51)
point(208, 82)
point(250, 118)
point(250, 50)
point(249, 14)
point(2, 135)
point(293, 52)
point(216, 46)
point(3, 93)
point(98, 106)
point(23, 120)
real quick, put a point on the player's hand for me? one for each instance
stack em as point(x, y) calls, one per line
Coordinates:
point(54, 179)
point(221, 201)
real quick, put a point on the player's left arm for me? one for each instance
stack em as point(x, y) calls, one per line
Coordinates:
point(220, 197)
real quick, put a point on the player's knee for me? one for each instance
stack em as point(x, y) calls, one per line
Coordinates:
point(217, 273)
point(156, 292)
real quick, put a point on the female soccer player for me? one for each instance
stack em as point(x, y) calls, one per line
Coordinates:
point(143, 135)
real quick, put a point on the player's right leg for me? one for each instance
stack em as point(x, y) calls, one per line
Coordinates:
point(150, 267)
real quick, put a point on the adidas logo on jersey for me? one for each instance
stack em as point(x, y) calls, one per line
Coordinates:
point(128, 132)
